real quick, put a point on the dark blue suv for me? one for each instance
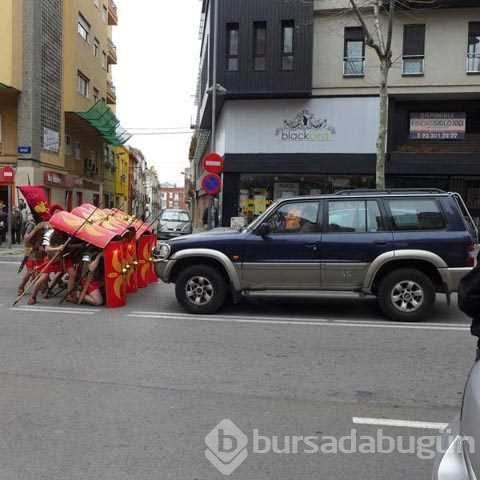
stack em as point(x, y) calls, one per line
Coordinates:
point(400, 246)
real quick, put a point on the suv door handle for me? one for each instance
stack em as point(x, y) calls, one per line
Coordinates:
point(382, 243)
point(312, 246)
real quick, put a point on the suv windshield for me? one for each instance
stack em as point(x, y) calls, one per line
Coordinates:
point(173, 216)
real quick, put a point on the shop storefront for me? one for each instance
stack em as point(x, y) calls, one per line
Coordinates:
point(282, 148)
point(71, 191)
point(435, 143)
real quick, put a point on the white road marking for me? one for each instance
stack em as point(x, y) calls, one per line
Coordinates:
point(462, 327)
point(54, 309)
point(13, 262)
point(387, 422)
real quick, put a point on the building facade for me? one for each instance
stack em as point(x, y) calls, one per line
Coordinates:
point(153, 206)
point(138, 183)
point(172, 196)
point(55, 72)
point(297, 106)
point(434, 87)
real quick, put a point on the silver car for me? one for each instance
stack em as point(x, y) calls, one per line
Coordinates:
point(461, 460)
point(173, 223)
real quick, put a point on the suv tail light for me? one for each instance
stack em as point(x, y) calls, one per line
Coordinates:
point(471, 255)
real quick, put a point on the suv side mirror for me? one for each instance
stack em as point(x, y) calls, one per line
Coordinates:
point(263, 229)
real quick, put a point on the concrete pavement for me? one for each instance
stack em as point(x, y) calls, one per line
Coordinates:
point(132, 393)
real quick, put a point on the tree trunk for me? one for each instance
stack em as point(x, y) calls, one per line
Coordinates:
point(383, 126)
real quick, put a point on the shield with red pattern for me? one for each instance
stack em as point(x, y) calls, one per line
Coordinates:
point(130, 254)
point(144, 261)
point(83, 229)
point(115, 272)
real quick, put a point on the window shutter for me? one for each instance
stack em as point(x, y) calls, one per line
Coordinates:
point(474, 29)
point(413, 40)
point(354, 34)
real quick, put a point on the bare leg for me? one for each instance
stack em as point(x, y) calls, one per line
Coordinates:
point(94, 298)
point(24, 281)
point(41, 284)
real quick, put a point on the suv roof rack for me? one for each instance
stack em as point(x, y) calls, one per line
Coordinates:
point(388, 191)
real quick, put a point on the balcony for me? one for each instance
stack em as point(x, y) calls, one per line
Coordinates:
point(112, 13)
point(354, 66)
point(473, 63)
point(111, 53)
point(111, 94)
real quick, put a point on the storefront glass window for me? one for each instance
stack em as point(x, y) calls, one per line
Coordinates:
point(257, 191)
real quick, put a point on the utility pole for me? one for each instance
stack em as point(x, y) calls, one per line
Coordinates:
point(211, 202)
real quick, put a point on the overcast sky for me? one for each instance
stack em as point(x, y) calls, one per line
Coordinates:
point(156, 75)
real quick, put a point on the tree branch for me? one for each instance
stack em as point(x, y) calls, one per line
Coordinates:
point(368, 37)
point(391, 14)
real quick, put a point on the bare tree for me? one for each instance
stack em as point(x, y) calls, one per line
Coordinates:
point(381, 42)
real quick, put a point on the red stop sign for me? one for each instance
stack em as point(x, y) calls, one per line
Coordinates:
point(213, 163)
point(7, 175)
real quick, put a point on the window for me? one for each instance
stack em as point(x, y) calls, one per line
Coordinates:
point(354, 216)
point(82, 84)
point(473, 55)
point(416, 214)
point(105, 14)
point(96, 95)
point(413, 49)
point(83, 27)
point(96, 47)
point(288, 44)
point(232, 47)
point(259, 45)
point(104, 60)
point(300, 217)
point(354, 52)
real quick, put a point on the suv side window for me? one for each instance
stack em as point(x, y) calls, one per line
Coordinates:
point(416, 214)
point(354, 216)
point(297, 217)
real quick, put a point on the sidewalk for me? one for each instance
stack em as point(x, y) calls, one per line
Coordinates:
point(15, 251)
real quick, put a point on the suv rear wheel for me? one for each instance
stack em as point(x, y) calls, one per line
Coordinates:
point(406, 295)
point(201, 289)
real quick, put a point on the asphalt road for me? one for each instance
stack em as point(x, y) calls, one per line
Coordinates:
point(91, 393)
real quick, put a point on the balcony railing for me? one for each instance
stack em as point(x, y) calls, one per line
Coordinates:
point(354, 66)
point(413, 65)
point(111, 93)
point(473, 63)
point(112, 13)
point(112, 53)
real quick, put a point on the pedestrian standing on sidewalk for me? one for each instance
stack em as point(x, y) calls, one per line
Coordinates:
point(16, 226)
point(24, 212)
point(3, 223)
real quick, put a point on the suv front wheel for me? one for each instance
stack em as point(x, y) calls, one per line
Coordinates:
point(201, 289)
point(406, 295)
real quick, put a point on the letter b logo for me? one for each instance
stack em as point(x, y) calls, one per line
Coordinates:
point(226, 447)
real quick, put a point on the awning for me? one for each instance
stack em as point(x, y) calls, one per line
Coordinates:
point(102, 119)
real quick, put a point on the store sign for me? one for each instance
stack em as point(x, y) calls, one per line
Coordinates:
point(7, 175)
point(438, 126)
point(51, 140)
point(54, 179)
point(296, 126)
point(306, 127)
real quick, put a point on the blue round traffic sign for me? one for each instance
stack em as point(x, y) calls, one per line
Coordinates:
point(211, 183)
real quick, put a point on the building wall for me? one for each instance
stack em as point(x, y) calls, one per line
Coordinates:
point(11, 23)
point(121, 177)
point(446, 41)
point(79, 53)
point(8, 128)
